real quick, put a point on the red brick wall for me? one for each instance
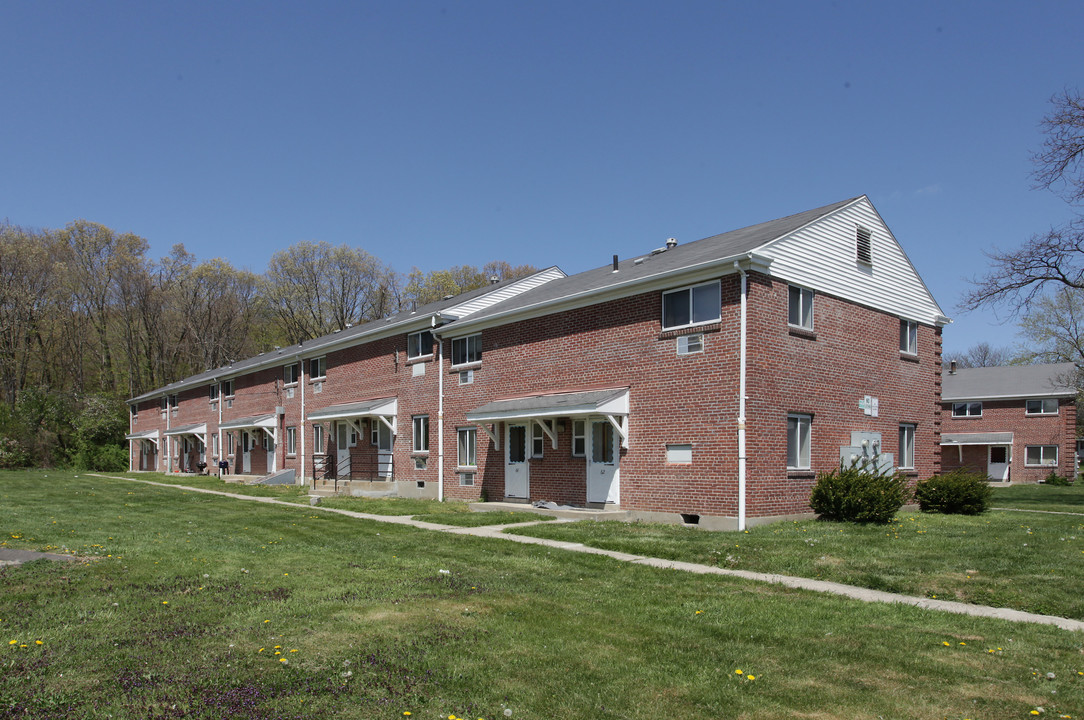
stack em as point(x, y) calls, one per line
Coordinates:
point(1010, 416)
point(693, 399)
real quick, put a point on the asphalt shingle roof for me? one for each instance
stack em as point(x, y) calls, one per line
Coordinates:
point(1009, 381)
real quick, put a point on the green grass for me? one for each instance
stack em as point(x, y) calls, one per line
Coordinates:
point(1026, 561)
point(188, 594)
point(1050, 498)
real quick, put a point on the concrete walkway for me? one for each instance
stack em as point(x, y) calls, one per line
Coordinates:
point(497, 532)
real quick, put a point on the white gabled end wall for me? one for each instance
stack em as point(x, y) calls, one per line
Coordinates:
point(822, 256)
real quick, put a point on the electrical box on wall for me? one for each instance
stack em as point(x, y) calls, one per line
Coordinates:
point(865, 449)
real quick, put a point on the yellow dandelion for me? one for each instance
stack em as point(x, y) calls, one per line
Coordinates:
point(38, 642)
point(13, 642)
point(266, 621)
point(260, 650)
point(750, 677)
point(738, 671)
point(294, 650)
point(945, 643)
point(165, 602)
point(407, 713)
point(963, 643)
point(283, 660)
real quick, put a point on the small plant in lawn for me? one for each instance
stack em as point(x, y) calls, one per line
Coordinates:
point(959, 492)
point(859, 492)
point(1057, 480)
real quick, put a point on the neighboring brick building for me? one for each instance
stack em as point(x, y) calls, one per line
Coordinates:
point(1013, 423)
point(706, 381)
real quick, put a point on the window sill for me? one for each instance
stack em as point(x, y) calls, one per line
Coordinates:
point(465, 366)
point(669, 333)
point(966, 417)
point(419, 453)
point(466, 468)
point(290, 384)
point(322, 378)
point(909, 357)
point(420, 358)
point(1037, 415)
point(798, 331)
point(800, 472)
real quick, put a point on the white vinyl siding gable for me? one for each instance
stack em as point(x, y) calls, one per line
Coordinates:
point(821, 256)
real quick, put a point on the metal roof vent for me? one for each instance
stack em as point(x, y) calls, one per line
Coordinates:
point(494, 279)
point(671, 243)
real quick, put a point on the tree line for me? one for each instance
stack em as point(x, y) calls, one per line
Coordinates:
point(88, 320)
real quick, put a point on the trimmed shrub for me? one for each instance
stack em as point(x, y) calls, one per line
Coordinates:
point(1057, 480)
point(959, 492)
point(858, 493)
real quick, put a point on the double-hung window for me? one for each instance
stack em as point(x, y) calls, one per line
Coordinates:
point(693, 305)
point(290, 373)
point(579, 438)
point(212, 392)
point(467, 350)
point(964, 409)
point(419, 344)
point(468, 447)
point(421, 433)
point(907, 446)
point(538, 441)
point(908, 337)
point(1041, 455)
point(318, 439)
point(798, 441)
point(291, 440)
point(318, 368)
point(1044, 406)
point(800, 307)
point(227, 388)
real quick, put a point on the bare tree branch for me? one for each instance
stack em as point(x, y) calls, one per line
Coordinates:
point(1060, 162)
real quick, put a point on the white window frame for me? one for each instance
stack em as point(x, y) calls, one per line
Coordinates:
point(907, 446)
point(799, 428)
point(467, 447)
point(291, 440)
point(471, 349)
point(908, 337)
point(214, 444)
point(800, 306)
point(291, 374)
point(466, 479)
point(716, 304)
point(420, 425)
point(538, 440)
point(416, 342)
point(212, 392)
point(133, 409)
point(579, 438)
point(230, 443)
point(227, 389)
point(1043, 404)
point(318, 439)
point(963, 409)
point(318, 368)
point(1043, 462)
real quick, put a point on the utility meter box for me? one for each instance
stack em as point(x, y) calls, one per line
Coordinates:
point(865, 449)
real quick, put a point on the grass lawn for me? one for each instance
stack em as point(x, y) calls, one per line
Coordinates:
point(1023, 560)
point(198, 606)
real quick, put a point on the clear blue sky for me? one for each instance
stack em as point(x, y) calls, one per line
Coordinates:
point(558, 132)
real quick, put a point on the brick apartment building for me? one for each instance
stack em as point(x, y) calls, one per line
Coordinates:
point(706, 382)
point(1014, 423)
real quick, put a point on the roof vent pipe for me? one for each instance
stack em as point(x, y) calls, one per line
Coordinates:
point(952, 368)
point(494, 279)
point(671, 243)
point(615, 263)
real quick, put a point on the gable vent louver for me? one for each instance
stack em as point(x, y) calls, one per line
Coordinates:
point(864, 246)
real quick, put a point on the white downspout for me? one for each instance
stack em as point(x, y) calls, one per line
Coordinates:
point(131, 431)
point(301, 424)
point(440, 418)
point(741, 400)
point(218, 430)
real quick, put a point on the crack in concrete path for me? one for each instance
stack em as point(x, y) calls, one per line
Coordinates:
point(822, 586)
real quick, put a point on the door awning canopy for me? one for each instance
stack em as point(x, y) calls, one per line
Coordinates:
point(381, 407)
point(151, 435)
point(612, 402)
point(256, 421)
point(198, 429)
point(987, 438)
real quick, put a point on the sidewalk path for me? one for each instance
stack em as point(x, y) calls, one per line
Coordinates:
point(497, 532)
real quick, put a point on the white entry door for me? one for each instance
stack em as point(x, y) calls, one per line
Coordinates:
point(603, 463)
point(384, 441)
point(269, 445)
point(998, 466)
point(342, 450)
point(246, 452)
point(516, 467)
